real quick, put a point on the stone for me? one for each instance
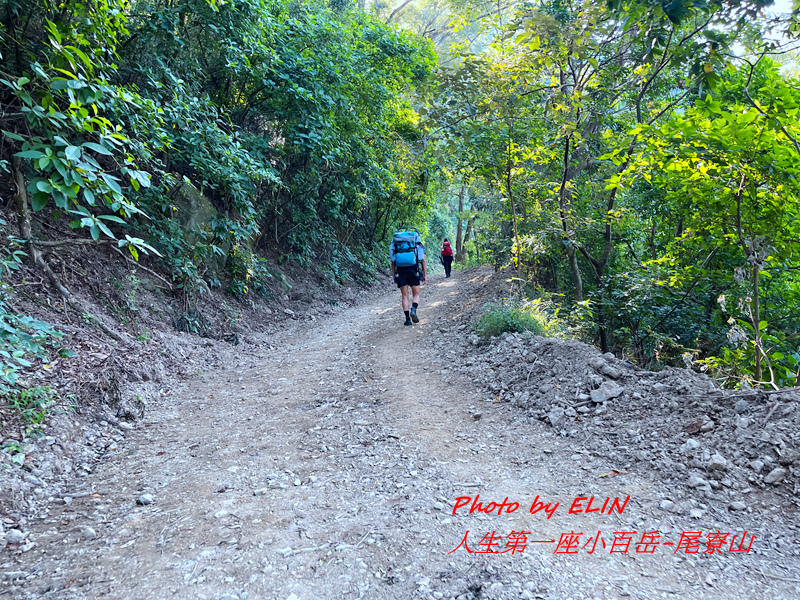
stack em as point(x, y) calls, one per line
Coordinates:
point(717, 463)
point(606, 391)
point(741, 406)
point(144, 499)
point(707, 426)
point(666, 505)
point(690, 445)
point(696, 481)
point(610, 371)
point(789, 457)
point(88, 533)
point(556, 416)
point(756, 465)
point(14, 536)
point(597, 363)
point(570, 412)
point(737, 505)
point(288, 311)
point(775, 476)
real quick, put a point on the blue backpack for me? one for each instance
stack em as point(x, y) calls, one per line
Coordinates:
point(405, 247)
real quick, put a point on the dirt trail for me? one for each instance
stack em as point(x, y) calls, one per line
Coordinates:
point(328, 468)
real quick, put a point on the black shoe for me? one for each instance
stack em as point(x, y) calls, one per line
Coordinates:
point(408, 322)
point(414, 316)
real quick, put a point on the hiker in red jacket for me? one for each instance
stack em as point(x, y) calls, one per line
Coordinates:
point(447, 257)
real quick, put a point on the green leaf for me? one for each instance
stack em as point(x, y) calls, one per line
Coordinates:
point(111, 182)
point(30, 154)
point(61, 199)
point(13, 136)
point(102, 226)
point(39, 201)
point(73, 152)
point(44, 186)
point(97, 148)
point(112, 218)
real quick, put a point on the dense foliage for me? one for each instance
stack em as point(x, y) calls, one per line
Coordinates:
point(639, 161)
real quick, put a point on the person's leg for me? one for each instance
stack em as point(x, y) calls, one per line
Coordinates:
point(448, 264)
point(414, 303)
point(404, 301)
point(404, 297)
point(415, 294)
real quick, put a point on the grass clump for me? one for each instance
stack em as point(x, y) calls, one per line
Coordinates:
point(30, 403)
point(513, 316)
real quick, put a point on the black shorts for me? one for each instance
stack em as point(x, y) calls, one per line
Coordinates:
point(406, 276)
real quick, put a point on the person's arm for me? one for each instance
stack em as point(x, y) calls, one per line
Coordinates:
point(393, 267)
point(424, 271)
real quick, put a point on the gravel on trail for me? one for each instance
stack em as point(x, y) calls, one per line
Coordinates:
point(327, 465)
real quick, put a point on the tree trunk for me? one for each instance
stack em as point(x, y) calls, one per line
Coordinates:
point(459, 221)
point(510, 192)
point(653, 254)
point(461, 253)
point(756, 324)
point(564, 202)
point(575, 271)
point(467, 233)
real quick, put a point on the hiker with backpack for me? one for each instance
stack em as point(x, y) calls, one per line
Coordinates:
point(409, 269)
point(447, 257)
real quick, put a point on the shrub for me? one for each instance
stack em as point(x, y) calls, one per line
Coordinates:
point(511, 316)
